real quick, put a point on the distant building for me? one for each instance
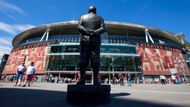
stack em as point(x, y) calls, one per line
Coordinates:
point(3, 62)
point(126, 48)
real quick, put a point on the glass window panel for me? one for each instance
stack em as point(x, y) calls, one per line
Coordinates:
point(63, 63)
point(72, 48)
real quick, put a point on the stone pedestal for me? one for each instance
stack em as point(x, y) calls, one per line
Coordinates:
point(88, 94)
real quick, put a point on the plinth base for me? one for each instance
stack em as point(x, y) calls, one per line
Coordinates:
point(88, 94)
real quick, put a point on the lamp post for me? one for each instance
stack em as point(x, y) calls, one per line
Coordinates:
point(113, 72)
point(180, 62)
point(111, 64)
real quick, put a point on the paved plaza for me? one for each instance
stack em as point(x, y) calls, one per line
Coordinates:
point(137, 95)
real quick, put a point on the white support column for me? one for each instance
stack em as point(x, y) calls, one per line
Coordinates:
point(148, 36)
point(45, 35)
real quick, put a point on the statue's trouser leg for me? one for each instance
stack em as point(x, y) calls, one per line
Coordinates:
point(84, 61)
point(95, 62)
point(82, 74)
point(95, 74)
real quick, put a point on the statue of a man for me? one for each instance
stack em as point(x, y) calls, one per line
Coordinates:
point(90, 26)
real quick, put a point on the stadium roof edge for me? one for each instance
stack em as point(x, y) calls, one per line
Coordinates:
point(109, 24)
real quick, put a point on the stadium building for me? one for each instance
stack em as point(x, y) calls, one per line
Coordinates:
point(126, 48)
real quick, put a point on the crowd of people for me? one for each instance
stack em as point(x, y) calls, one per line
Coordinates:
point(174, 79)
point(27, 76)
point(122, 80)
point(49, 78)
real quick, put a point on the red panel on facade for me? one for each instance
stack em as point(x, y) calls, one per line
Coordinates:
point(158, 60)
point(35, 54)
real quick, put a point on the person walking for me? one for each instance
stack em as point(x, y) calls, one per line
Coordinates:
point(161, 79)
point(129, 79)
point(20, 72)
point(30, 74)
point(121, 80)
point(173, 79)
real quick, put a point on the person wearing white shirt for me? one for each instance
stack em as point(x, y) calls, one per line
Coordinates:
point(30, 74)
point(173, 79)
point(20, 72)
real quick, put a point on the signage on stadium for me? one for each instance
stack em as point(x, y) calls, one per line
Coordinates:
point(29, 46)
point(157, 47)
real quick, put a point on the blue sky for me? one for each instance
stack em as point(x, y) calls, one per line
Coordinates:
point(19, 15)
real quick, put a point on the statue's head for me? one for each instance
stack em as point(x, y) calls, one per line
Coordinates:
point(92, 9)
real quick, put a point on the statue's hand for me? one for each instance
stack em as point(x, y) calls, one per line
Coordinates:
point(91, 32)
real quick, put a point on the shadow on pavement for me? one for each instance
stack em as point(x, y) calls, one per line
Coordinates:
point(14, 97)
point(114, 95)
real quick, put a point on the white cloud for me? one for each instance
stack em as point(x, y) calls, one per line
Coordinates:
point(5, 49)
point(54, 8)
point(5, 6)
point(14, 28)
point(7, 28)
point(12, 17)
point(23, 27)
point(5, 41)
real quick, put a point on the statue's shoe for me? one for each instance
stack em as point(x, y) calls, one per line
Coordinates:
point(97, 83)
point(80, 83)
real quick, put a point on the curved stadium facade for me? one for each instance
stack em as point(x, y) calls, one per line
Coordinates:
point(126, 48)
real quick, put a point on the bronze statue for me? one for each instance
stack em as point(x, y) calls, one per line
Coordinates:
point(90, 26)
